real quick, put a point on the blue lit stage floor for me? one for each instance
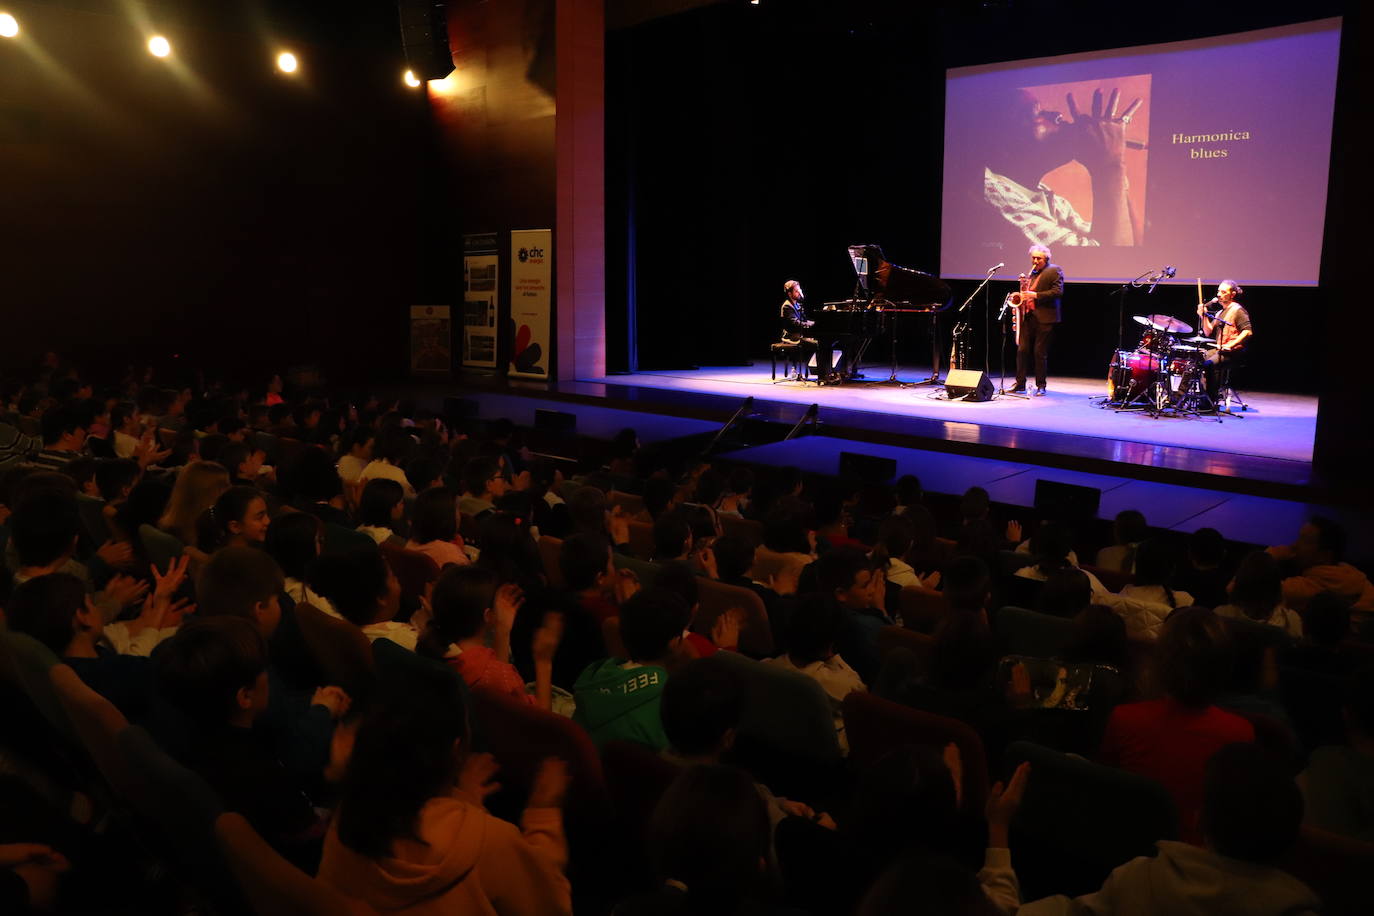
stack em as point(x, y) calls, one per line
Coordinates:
point(1276, 425)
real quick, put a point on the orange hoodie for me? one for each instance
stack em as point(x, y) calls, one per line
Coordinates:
point(470, 863)
point(1341, 578)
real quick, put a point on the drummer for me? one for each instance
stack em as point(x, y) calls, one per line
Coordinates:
point(1229, 328)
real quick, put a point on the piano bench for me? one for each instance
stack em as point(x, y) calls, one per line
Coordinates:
point(791, 355)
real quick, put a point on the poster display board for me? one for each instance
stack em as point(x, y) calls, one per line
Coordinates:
point(431, 340)
point(481, 263)
point(531, 302)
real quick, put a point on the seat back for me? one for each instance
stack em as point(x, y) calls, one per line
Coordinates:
point(876, 727)
point(1309, 698)
point(646, 571)
point(748, 529)
point(636, 777)
point(1336, 867)
point(1114, 580)
point(415, 571)
point(1019, 591)
point(755, 634)
point(160, 547)
point(93, 519)
point(922, 608)
point(1024, 632)
point(549, 549)
point(631, 504)
point(33, 662)
point(96, 724)
point(1079, 820)
point(340, 539)
point(340, 650)
point(289, 451)
point(922, 645)
point(786, 715)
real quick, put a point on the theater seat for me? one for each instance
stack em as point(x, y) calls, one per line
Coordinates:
point(549, 549)
point(270, 883)
point(1336, 867)
point(339, 649)
point(160, 547)
point(922, 608)
point(414, 570)
point(755, 635)
point(1024, 632)
point(876, 727)
point(1079, 820)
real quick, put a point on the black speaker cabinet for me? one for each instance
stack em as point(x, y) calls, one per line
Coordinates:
point(969, 384)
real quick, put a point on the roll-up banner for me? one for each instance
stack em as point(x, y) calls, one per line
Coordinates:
point(531, 302)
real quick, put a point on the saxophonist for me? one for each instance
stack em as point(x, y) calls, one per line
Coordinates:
point(1039, 313)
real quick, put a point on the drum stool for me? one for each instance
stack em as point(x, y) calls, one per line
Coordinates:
point(791, 355)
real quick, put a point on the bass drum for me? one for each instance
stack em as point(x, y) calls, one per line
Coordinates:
point(1131, 374)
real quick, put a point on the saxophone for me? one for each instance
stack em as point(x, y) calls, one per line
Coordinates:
point(1019, 303)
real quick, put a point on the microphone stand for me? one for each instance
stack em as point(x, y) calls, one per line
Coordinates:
point(1146, 277)
point(1002, 389)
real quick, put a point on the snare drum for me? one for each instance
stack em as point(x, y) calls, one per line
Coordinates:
point(1132, 372)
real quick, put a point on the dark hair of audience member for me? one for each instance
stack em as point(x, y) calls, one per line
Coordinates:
point(145, 505)
point(649, 623)
point(967, 584)
point(1154, 565)
point(671, 534)
point(1258, 586)
point(1326, 622)
point(702, 522)
point(1251, 807)
point(896, 535)
point(461, 597)
point(908, 490)
point(1195, 656)
point(978, 539)
point(1206, 549)
point(709, 836)
point(62, 421)
point(740, 481)
point(435, 516)
point(813, 630)
point(423, 471)
point(1098, 637)
point(587, 510)
point(658, 495)
point(393, 445)
point(377, 504)
point(679, 579)
point(509, 551)
point(917, 885)
point(903, 802)
point(81, 470)
point(403, 755)
point(234, 455)
point(710, 487)
point(836, 570)
point(360, 436)
point(786, 527)
point(114, 475)
point(44, 607)
point(829, 506)
point(478, 474)
point(1065, 593)
point(201, 669)
point(293, 541)
point(44, 526)
point(235, 580)
point(583, 559)
point(312, 477)
point(975, 504)
point(1130, 527)
point(701, 703)
point(964, 653)
point(1051, 545)
point(1331, 537)
point(232, 507)
point(213, 447)
point(355, 582)
point(543, 474)
point(734, 556)
point(926, 554)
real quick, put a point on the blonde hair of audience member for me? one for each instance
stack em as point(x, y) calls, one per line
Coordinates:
point(198, 485)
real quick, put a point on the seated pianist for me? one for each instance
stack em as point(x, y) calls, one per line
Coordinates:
point(795, 326)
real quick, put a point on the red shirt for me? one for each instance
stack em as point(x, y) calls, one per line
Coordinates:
point(1171, 744)
point(481, 670)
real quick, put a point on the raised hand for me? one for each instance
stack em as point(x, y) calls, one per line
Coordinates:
point(707, 558)
point(475, 778)
point(725, 631)
point(547, 638)
point(1014, 531)
point(126, 591)
point(626, 585)
point(116, 554)
point(1003, 803)
point(550, 784)
point(1100, 138)
point(509, 600)
point(334, 699)
point(954, 762)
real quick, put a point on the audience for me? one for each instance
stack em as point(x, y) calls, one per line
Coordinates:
point(238, 694)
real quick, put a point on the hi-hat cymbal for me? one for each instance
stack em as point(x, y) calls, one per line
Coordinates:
point(1199, 339)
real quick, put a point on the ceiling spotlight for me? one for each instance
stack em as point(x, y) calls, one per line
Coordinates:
point(411, 80)
point(286, 62)
point(159, 46)
point(9, 26)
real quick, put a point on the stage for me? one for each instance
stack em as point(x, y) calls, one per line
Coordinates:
point(1269, 443)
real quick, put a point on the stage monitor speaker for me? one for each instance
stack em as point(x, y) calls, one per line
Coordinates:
point(1066, 502)
point(969, 384)
point(868, 468)
point(424, 37)
point(555, 421)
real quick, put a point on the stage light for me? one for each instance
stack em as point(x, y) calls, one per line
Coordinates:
point(159, 46)
point(411, 80)
point(9, 26)
point(286, 62)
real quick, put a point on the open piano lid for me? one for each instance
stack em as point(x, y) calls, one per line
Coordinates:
point(893, 286)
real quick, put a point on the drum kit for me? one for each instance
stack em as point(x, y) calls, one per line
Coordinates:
point(1164, 373)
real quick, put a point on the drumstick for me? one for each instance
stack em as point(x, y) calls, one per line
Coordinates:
point(1199, 291)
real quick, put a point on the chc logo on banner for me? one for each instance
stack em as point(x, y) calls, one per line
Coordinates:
point(530, 255)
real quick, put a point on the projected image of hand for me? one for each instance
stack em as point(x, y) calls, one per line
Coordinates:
point(1098, 141)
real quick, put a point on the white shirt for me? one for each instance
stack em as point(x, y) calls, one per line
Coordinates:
point(351, 468)
point(383, 469)
point(1283, 617)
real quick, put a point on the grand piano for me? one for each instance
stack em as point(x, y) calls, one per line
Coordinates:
point(884, 295)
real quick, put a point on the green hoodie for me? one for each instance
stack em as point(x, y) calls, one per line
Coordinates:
point(614, 703)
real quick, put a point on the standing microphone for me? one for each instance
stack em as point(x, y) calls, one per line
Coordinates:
point(992, 270)
point(1169, 272)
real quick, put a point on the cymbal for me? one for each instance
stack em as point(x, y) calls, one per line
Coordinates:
point(1185, 348)
point(1200, 339)
point(1170, 324)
